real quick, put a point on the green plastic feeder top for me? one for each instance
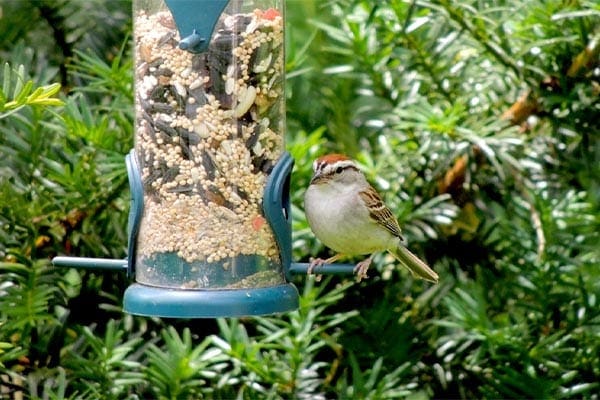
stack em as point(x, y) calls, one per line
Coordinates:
point(195, 20)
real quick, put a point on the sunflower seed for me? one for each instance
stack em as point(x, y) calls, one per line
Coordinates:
point(245, 101)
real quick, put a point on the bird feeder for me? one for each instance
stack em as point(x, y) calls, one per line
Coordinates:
point(209, 228)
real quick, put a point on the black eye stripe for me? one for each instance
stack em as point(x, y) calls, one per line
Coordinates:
point(324, 168)
point(341, 169)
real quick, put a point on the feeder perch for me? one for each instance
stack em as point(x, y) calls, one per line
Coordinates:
point(209, 230)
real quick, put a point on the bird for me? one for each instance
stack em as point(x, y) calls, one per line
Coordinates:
point(348, 215)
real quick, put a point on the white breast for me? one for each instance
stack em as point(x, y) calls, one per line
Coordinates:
point(338, 218)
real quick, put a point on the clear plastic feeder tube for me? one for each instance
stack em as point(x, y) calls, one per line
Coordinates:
point(209, 128)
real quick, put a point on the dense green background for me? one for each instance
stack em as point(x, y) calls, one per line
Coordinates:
point(479, 121)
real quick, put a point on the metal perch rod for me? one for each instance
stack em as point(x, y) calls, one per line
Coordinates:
point(90, 263)
point(325, 269)
point(121, 264)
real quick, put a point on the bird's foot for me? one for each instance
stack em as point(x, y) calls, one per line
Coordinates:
point(361, 269)
point(317, 262)
point(314, 263)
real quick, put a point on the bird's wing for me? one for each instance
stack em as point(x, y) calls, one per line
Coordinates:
point(379, 212)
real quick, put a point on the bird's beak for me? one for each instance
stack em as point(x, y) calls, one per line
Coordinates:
point(319, 179)
point(316, 179)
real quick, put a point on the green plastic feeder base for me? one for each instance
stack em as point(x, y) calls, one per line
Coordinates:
point(210, 303)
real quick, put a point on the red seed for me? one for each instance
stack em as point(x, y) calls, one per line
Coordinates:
point(258, 222)
point(271, 14)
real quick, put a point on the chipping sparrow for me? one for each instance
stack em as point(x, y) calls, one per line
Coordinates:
point(348, 216)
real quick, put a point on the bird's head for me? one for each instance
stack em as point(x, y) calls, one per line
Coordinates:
point(335, 168)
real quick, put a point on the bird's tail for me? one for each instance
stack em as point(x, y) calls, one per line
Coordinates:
point(417, 267)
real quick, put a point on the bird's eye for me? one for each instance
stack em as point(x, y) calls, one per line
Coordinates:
point(339, 170)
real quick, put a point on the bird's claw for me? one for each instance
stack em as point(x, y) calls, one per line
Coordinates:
point(314, 263)
point(361, 269)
